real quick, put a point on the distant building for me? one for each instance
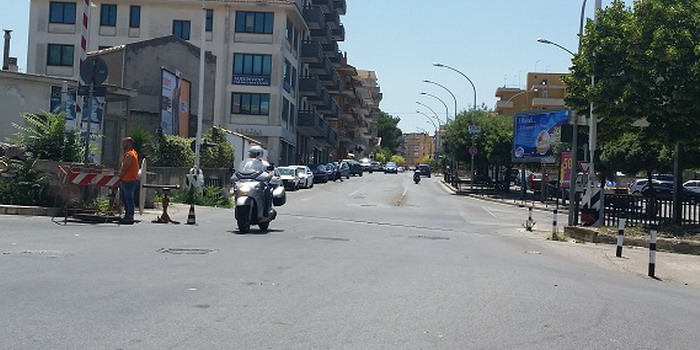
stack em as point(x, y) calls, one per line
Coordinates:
point(138, 66)
point(417, 147)
point(543, 91)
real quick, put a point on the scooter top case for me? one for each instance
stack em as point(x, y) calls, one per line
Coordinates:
point(279, 196)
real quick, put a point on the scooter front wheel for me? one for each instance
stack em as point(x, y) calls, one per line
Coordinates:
point(243, 219)
point(264, 226)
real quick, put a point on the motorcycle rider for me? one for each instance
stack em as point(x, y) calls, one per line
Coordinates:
point(256, 162)
point(416, 175)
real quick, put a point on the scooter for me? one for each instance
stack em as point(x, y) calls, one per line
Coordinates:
point(255, 194)
point(416, 177)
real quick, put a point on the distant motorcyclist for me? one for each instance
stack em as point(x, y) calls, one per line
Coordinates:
point(416, 176)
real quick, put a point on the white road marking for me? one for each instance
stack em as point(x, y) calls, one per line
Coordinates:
point(489, 211)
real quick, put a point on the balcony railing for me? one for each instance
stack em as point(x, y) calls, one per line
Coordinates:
point(312, 88)
point(333, 19)
point(339, 33)
point(314, 17)
point(312, 52)
point(322, 35)
point(341, 6)
point(312, 124)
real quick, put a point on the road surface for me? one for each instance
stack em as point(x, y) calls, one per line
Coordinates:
point(371, 263)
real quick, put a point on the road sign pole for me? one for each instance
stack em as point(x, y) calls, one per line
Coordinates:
point(89, 124)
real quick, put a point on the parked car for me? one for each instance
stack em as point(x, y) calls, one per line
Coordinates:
point(306, 176)
point(354, 166)
point(636, 186)
point(391, 168)
point(692, 186)
point(290, 177)
point(424, 170)
point(376, 166)
point(660, 188)
point(320, 172)
point(366, 164)
point(337, 171)
point(402, 169)
point(534, 182)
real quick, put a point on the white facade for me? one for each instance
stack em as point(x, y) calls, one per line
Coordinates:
point(157, 18)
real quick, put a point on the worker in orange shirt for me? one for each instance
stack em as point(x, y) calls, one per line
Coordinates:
point(129, 173)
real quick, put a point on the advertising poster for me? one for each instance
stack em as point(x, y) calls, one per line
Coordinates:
point(184, 89)
point(175, 104)
point(535, 133)
point(566, 169)
point(55, 105)
point(167, 103)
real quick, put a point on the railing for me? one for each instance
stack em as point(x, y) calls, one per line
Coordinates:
point(642, 210)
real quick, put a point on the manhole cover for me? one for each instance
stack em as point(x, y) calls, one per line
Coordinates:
point(331, 239)
point(533, 252)
point(186, 251)
point(44, 253)
point(368, 205)
point(433, 238)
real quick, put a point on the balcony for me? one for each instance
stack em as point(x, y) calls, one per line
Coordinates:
point(341, 6)
point(338, 34)
point(312, 124)
point(333, 19)
point(332, 138)
point(314, 17)
point(331, 48)
point(504, 104)
point(329, 108)
point(322, 35)
point(312, 52)
point(331, 81)
point(325, 5)
point(323, 68)
point(312, 88)
point(548, 102)
point(337, 59)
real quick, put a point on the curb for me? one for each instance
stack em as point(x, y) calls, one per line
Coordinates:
point(499, 201)
point(24, 210)
point(663, 244)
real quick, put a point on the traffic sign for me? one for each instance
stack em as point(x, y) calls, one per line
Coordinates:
point(94, 70)
point(473, 151)
point(474, 129)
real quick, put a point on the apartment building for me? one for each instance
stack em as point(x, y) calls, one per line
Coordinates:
point(543, 91)
point(417, 147)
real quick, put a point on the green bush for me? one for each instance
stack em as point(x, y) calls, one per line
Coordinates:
point(28, 187)
point(143, 142)
point(45, 137)
point(173, 151)
point(220, 156)
point(212, 196)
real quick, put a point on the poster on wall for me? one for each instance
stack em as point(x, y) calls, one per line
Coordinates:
point(174, 104)
point(535, 134)
point(55, 104)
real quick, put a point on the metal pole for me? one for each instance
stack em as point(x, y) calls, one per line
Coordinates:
point(64, 97)
point(89, 118)
point(200, 99)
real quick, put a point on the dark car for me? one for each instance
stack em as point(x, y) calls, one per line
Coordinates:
point(321, 175)
point(336, 171)
point(355, 167)
point(391, 168)
point(424, 170)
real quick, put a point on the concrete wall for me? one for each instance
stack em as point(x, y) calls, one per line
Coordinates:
point(19, 95)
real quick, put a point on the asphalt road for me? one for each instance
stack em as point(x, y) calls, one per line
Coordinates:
point(371, 263)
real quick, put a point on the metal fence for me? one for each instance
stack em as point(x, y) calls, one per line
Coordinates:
point(640, 210)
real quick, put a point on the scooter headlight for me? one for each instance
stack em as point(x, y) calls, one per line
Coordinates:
point(244, 189)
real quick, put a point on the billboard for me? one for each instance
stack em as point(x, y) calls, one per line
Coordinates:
point(535, 133)
point(55, 104)
point(566, 161)
point(175, 104)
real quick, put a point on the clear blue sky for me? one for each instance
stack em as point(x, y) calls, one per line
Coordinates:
point(492, 41)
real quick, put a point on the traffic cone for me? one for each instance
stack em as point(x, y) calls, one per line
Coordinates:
point(191, 219)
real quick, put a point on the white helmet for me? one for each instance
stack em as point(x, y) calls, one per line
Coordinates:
point(256, 152)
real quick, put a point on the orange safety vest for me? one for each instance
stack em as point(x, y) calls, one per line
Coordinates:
point(131, 173)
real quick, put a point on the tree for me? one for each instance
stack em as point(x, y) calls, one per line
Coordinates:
point(220, 156)
point(495, 142)
point(399, 160)
point(645, 59)
point(383, 155)
point(388, 130)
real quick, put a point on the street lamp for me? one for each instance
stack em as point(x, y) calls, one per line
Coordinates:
point(460, 73)
point(430, 119)
point(448, 91)
point(447, 110)
point(549, 42)
point(432, 110)
point(474, 88)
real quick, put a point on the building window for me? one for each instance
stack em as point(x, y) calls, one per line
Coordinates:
point(100, 48)
point(60, 55)
point(292, 114)
point(252, 69)
point(289, 33)
point(294, 80)
point(250, 104)
point(209, 25)
point(254, 22)
point(62, 12)
point(108, 15)
point(135, 17)
point(287, 76)
point(285, 109)
point(181, 29)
